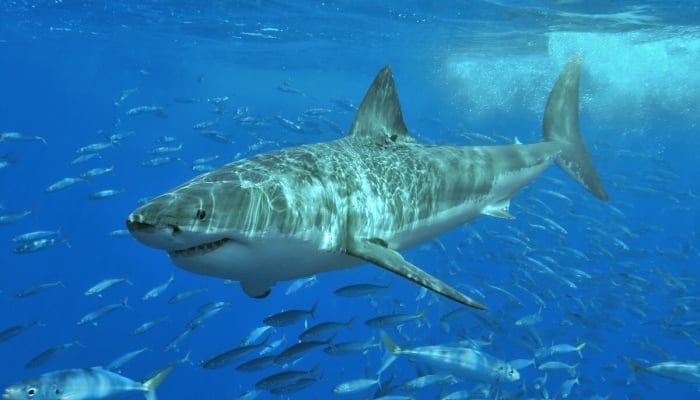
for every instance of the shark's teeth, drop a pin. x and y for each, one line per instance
(199, 249)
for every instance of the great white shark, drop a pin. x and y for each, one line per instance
(320, 207)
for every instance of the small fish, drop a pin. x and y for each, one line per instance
(158, 290)
(289, 124)
(120, 233)
(105, 284)
(555, 365)
(13, 331)
(393, 320)
(257, 364)
(82, 384)
(20, 137)
(91, 173)
(49, 353)
(94, 147)
(346, 348)
(217, 100)
(166, 139)
(206, 160)
(93, 316)
(687, 372)
(84, 158)
(218, 137)
(165, 150)
(530, 320)
(301, 283)
(324, 330)
(297, 350)
(15, 216)
(37, 289)
(117, 363)
(175, 342)
(148, 325)
(39, 244)
(103, 194)
(207, 311)
(35, 235)
(358, 290)
(124, 95)
(158, 111)
(205, 124)
(462, 362)
(289, 317)
(255, 334)
(227, 357)
(182, 296)
(354, 386)
(62, 184)
(157, 161)
(284, 378)
(566, 387)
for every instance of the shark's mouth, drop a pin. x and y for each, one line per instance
(200, 248)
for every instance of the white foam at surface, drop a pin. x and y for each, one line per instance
(626, 75)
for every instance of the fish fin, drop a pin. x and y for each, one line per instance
(256, 290)
(389, 342)
(379, 118)
(391, 354)
(151, 384)
(561, 126)
(313, 310)
(633, 365)
(500, 210)
(376, 252)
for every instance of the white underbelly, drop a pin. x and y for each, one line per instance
(269, 259)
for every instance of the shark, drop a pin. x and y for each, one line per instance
(363, 198)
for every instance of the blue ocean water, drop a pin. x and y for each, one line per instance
(621, 276)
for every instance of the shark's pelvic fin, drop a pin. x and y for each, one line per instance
(379, 118)
(561, 126)
(375, 252)
(256, 290)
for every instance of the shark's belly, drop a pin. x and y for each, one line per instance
(267, 259)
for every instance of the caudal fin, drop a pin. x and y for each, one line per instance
(151, 384)
(561, 126)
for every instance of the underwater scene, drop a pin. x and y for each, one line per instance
(342, 199)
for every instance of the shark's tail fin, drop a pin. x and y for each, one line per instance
(561, 126)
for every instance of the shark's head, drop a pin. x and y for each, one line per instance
(189, 225)
(228, 228)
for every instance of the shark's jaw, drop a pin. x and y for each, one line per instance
(258, 263)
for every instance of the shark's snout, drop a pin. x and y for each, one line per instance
(161, 237)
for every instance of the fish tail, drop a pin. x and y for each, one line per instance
(633, 365)
(313, 310)
(579, 348)
(391, 355)
(389, 343)
(151, 384)
(561, 126)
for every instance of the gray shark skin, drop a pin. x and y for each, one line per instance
(314, 208)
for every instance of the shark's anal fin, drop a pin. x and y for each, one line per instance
(372, 251)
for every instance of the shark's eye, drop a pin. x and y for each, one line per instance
(201, 214)
(31, 392)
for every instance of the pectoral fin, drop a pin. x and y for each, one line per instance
(376, 252)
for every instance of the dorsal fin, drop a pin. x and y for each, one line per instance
(379, 117)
